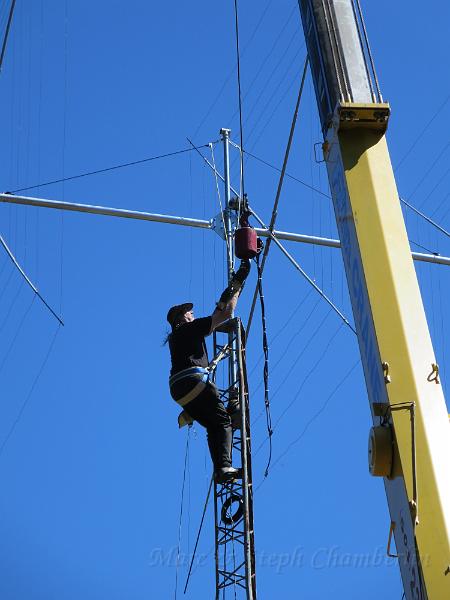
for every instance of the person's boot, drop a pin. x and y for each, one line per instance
(224, 474)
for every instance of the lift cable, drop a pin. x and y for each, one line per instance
(113, 168)
(280, 186)
(186, 453)
(5, 38)
(32, 286)
(241, 134)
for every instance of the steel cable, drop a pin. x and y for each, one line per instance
(5, 38)
(107, 169)
(279, 188)
(32, 286)
(419, 137)
(186, 453)
(230, 74)
(424, 216)
(268, 55)
(241, 134)
(30, 393)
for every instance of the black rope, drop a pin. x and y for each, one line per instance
(240, 97)
(266, 364)
(5, 38)
(30, 393)
(198, 534)
(98, 171)
(181, 513)
(280, 184)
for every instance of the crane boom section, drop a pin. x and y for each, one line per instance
(399, 364)
(392, 329)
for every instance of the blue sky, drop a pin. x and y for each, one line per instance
(91, 459)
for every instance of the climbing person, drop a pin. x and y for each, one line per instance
(189, 380)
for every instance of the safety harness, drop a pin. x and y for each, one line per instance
(199, 373)
(202, 375)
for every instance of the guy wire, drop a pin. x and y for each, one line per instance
(242, 190)
(186, 454)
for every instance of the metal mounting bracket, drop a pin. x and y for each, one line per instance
(385, 411)
(217, 223)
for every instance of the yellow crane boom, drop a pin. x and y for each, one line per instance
(410, 439)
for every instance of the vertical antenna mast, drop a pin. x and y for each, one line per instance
(233, 501)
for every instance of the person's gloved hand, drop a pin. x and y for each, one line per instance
(236, 283)
(225, 297)
(242, 273)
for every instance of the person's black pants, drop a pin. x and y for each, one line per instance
(208, 409)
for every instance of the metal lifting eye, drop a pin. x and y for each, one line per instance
(434, 375)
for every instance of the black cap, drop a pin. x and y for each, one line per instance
(177, 310)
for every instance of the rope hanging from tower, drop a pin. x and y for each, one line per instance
(265, 344)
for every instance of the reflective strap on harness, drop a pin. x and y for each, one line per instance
(192, 372)
(199, 372)
(196, 390)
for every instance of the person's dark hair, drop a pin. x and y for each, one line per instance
(175, 324)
